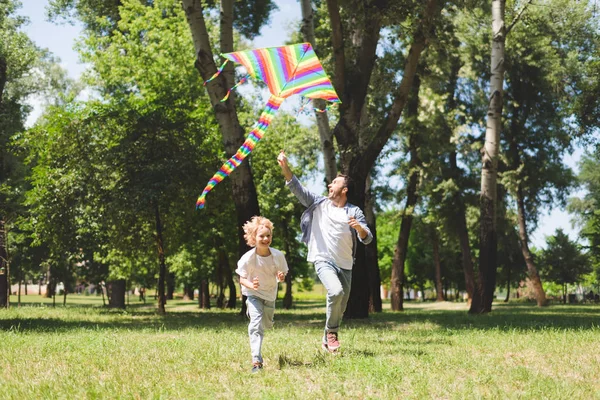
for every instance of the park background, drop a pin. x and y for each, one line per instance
(108, 135)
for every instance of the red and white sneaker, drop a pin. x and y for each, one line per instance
(333, 343)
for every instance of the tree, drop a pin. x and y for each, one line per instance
(242, 181)
(563, 261)
(18, 58)
(361, 131)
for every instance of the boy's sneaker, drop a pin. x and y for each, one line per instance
(332, 342)
(256, 367)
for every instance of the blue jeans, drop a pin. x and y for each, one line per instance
(337, 282)
(261, 314)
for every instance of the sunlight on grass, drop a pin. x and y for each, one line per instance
(431, 350)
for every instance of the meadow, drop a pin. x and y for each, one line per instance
(431, 350)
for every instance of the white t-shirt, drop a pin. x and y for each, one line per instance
(252, 265)
(331, 236)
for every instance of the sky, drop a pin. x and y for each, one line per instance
(60, 39)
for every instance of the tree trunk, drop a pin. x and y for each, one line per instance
(463, 233)
(170, 285)
(242, 183)
(484, 294)
(4, 281)
(232, 300)
(222, 265)
(325, 132)
(287, 297)
(532, 272)
(508, 270)
(116, 293)
(397, 280)
(3, 78)
(204, 295)
(162, 273)
(371, 255)
(50, 283)
(438, 266)
(188, 292)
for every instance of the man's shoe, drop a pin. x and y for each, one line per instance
(256, 367)
(332, 342)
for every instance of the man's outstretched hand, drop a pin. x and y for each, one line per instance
(285, 168)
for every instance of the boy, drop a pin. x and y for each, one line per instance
(259, 270)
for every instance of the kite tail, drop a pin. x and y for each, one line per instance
(253, 137)
(219, 70)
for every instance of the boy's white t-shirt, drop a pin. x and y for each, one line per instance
(265, 268)
(330, 236)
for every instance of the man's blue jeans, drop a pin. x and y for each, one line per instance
(261, 314)
(337, 282)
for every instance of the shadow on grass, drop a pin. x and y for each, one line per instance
(183, 315)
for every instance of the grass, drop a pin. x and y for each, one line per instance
(432, 350)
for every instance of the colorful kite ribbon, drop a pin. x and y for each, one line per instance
(253, 137)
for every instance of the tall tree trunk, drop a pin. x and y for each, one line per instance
(532, 272)
(397, 280)
(455, 173)
(4, 280)
(438, 265)
(3, 78)
(162, 273)
(222, 265)
(287, 297)
(508, 270)
(371, 255)
(325, 132)
(242, 183)
(484, 294)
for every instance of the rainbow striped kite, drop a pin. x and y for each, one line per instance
(287, 70)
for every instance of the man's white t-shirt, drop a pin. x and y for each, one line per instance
(331, 236)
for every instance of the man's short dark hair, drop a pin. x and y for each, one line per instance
(348, 183)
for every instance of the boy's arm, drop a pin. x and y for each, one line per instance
(305, 197)
(248, 283)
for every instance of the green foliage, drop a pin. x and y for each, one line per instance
(563, 261)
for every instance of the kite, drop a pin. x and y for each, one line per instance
(287, 70)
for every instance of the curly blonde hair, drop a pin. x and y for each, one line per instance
(251, 228)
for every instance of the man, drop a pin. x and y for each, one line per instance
(328, 228)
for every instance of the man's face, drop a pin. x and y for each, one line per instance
(337, 188)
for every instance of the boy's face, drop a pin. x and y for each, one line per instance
(263, 237)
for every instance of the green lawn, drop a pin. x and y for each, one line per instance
(428, 351)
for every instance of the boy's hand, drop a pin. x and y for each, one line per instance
(255, 283)
(280, 276)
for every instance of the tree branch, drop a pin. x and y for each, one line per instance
(518, 17)
(337, 39)
(410, 68)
